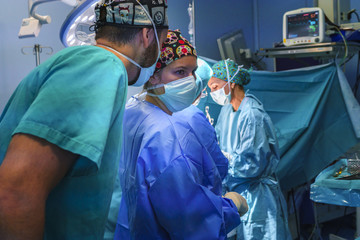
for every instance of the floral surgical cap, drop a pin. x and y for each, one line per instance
(174, 47)
(219, 71)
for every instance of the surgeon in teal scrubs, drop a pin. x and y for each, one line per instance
(171, 187)
(61, 131)
(246, 135)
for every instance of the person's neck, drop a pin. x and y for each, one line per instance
(157, 102)
(126, 49)
(238, 96)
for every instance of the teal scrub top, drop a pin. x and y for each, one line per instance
(74, 100)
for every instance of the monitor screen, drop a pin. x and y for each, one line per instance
(303, 25)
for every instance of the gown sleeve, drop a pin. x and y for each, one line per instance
(208, 136)
(188, 210)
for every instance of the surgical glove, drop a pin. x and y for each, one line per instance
(239, 202)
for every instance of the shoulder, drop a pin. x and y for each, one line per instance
(149, 118)
(191, 115)
(93, 64)
(252, 106)
(154, 134)
(91, 57)
(254, 114)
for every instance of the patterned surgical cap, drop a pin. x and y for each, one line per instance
(174, 47)
(129, 13)
(219, 71)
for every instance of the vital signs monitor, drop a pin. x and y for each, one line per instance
(303, 26)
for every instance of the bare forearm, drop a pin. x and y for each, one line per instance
(20, 217)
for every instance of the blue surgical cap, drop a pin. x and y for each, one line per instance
(203, 74)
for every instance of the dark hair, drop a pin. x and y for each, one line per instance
(120, 34)
(116, 34)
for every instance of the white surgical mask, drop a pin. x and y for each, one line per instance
(219, 96)
(145, 73)
(179, 94)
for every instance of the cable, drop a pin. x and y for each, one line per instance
(353, 11)
(345, 43)
(256, 62)
(337, 27)
(316, 226)
(295, 212)
(312, 232)
(357, 15)
(355, 89)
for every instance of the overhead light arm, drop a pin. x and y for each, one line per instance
(30, 27)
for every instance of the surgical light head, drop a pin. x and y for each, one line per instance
(76, 27)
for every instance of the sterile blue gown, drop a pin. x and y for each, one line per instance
(205, 134)
(171, 186)
(75, 100)
(249, 136)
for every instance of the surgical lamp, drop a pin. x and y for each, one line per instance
(30, 27)
(76, 28)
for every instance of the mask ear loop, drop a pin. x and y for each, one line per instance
(227, 71)
(236, 72)
(155, 91)
(227, 75)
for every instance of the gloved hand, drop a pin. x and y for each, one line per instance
(239, 202)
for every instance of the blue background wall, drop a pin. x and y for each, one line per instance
(260, 21)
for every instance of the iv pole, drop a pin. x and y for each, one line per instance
(37, 49)
(191, 11)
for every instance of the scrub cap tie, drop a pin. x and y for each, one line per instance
(174, 47)
(131, 13)
(225, 68)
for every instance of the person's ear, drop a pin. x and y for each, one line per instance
(147, 36)
(232, 85)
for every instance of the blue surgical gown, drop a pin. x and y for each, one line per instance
(248, 135)
(76, 101)
(205, 134)
(171, 187)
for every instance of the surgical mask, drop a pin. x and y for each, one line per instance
(145, 73)
(179, 94)
(219, 96)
